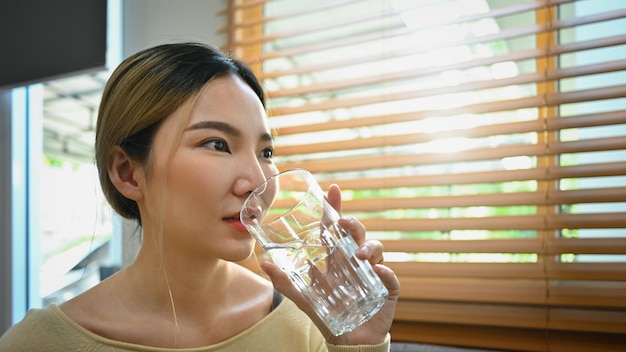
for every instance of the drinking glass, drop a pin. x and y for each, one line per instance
(291, 219)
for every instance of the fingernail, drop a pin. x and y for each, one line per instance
(365, 249)
(264, 266)
(350, 218)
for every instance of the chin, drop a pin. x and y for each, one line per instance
(241, 252)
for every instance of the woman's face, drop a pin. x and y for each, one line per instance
(206, 158)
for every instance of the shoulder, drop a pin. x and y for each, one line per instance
(40, 330)
(286, 329)
(36, 322)
(290, 314)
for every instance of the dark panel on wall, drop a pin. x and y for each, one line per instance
(45, 39)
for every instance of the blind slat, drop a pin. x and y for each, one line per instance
(513, 291)
(552, 99)
(286, 15)
(514, 316)
(550, 124)
(552, 246)
(528, 222)
(548, 173)
(399, 160)
(480, 314)
(381, 203)
(592, 272)
(506, 338)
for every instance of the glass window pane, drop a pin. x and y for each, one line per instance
(76, 221)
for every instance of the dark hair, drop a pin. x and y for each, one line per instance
(143, 91)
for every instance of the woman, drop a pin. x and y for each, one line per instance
(181, 140)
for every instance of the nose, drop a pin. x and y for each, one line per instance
(252, 174)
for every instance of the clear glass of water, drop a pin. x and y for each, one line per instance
(290, 218)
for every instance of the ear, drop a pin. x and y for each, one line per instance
(126, 174)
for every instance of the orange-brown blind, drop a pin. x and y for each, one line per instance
(483, 142)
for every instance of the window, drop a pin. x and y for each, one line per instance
(482, 141)
(76, 227)
(77, 239)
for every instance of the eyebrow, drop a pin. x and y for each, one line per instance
(224, 127)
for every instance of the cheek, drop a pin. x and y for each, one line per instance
(271, 170)
(186, 205)
(193, 188)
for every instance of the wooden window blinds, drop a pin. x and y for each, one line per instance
(482, 141)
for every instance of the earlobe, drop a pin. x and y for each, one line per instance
(123, 172)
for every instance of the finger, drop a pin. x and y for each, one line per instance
(283, 284)
(389, 279)
(355, 227)
(334, 197)
(372, 251)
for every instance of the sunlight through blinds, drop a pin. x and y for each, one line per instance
(483, 142)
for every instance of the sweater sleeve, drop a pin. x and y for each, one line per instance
(383, 347)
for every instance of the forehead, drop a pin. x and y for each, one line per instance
(230, 98)
(225, 99)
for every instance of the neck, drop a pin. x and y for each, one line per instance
(182, 286)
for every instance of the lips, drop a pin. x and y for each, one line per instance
(232, 216)
(235, 221)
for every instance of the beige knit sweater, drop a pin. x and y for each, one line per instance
(285, 329)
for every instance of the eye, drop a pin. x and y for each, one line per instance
(267, 153)
(216, 144)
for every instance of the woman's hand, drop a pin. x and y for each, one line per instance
(375, 330)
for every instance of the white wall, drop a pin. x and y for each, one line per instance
(151, 22)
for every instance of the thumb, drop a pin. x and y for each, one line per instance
(283, 284)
